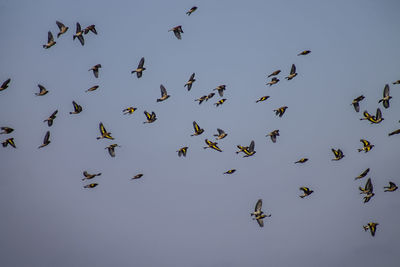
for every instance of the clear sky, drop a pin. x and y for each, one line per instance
(185, 211)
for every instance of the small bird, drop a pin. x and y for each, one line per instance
(306, 191)
(95, 70)
(274, 73)
(93, 88)
(367, 146)
(50, 41)
(104, 133)
(129, 110)
(190, 82)
(356, 102)
(209, 96)
(220, 102)
(177, 31)
(241, 149)
(201, 99)
(367, 188)
(150, 117)
(4, 85)
(89, 176)
(386, 97)
(303, 53)
(62, 27)
(396, 82)
(79, 34)
(193, 9)
(42, 91)
(249, 151)
(259, 214)
(230, 171)
(213, 145)
(137, 176)
(292, 74)
(373, 119)
(90, 28)
(9, 141)
(371, 226)
(273, 81)
(338, 154)
(6, 130)
(392, 187)
(51, 118)
(394, 132)
(280, 111)
(139, 70)
(92, 185)
(362, 175)
(221, 134)
(273, 135)
(197, 129)
(263, 98)
(111, 149)
(366, 115)
(46, 140)
(220, 89)
(302, 160)
(182, 151)
(77, 108)
(164, 94)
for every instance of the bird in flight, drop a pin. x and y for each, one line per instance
(93, 88)
(4, 85)
(193, 9)
(292, 74)
(274, 73)
(213, 145)
(150, 117)
(42, 90)
(177, 31)
(230, 171)
(338, 154)
(104, 133)
(89, 176)
(6, 130)
(280, 111)
(139, 70)
(392, 187)
(367, 146)
(197, 129)
(273, 135)
(221, 134)
(371, 226)
(249, 151)
(63, 29)
(220, 89)
(137, 176)
(9, 141)
(164, 94)
(368, 190)
(190, 82)
(77, 108)
(92, 185)
(302, 160)
(303, 53)
(263, 98)
(129, 110)
(356, 103)
(259, 214)
(363, 174)
(46, 140)
(306, 191)
(273, 81)
(386, 97)
(51, 118)
(220, 102)
(182, 151)
(79, 34)
(201, 99)
(91, 28)
(95, 70)
(111, 149)
(50, 41)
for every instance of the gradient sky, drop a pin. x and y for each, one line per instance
(185, 211)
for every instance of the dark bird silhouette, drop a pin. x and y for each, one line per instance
(63, 29)
(182, 151)
(193, 9)
(91, 28)
(386, 97)
(50, 41)
(220, 89)
(9, 141)
(190, 82)
(230, 171)
(42, 90)
(93, 88)
(201, 99)
(306, 191)
(6, 130)
(95, 70)
(220, 102)
(274, 73)
(4, 85)
(362, 175)
(77, 108)
(209, 96)
(89, 176)
(177, 31)
(111, 149)
(394, 132)
(92, 185)
(273, 81)
(302, 160)
(79, 34)
(137, 176)
(46, 140)
(150, 117)
(139, 70)
(292, 74)
(197, 129)
(356, 102)
(51, 118)
(303, 53)
(392, 187)
(280, 111)
(273, 135)
(164, 94)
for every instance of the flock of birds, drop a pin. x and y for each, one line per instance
(248, 151)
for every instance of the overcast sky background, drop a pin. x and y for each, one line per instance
(185, 211)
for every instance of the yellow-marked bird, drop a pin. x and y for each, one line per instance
(93, 88)
(182, 151)
(77, 108)
(338, 154)
(273, 135)
(263, 98)
(249, 151)
(177, 31)
(197, 129)
(137, 176)
(259, 214)
(6, 130)
(273, 81)
(303, 53)
(368, 190)
(92, 185)
(91, 28)
(363, 174)
(386, 97)
(221, 88)
(356, 103)
(50, 41)
(111, 149)
(46, 140)
(190, 82)
(9, 141)
(4, 85)
(150, 117)
(371, 226)
(79, 34)
(201, 99)
(302, 160)
(129, 110)
(230, 171)
(274, 73)
(213, 145)
(220, 102)
(42, 90)
(306, 191)
(164, 94)
(89, 176)
(95, 70)
(139, 70)
(392, 187)
(193, 9)
(280, 111)
(367, 116)
(104, 133)
(63, 29)
(221, 134)
(377, 118)
(51, 118)
(292, 74)
(367, 146)
(241, 148)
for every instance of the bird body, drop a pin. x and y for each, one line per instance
(46, 140)
(139, 70)
(92, 185)
(164, 94)
(42, 90)
(95, 70)
(193, 9)
(338, 154)
(197, 129)
(213, 145)
(372, 227)
(150, 117)
(93, 88)
(273, 81)
(6, 130)
(386, 97)
(274, 73)
(220, 102)
(51, 118)
(50, 41)
(4, 85)
(91, 28)
(273, 135)
(392, 187)
(63, 29)
(302, 160)
(263, 98)
(230, 171)
(292, 74)
(363, 174)
(9, 141)
(79, 34)
(367, 146)
(356, 102)
(182, 151)
(89, 176)
(129, 110)
(104, 133)
(303, 53)
(221, 88)
(280, 111)
(177, 31)
(111, 149)
(77, 108)
(190, 82)
(306, 191)
(137, 176)
(221, 134)
(249, 151)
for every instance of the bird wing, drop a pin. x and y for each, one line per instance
(5, 83)
(378, 114)
(196, 127)
(365, 142)
(364, 173)
(391, 184)
(76, 106)
(305, 189)
(42, 88)
(220, 131)
(293, 69)
(81, 40)
(148, 116)
(53, 115)
(46, 137)
(60, 25)
(192, 77)
(141, 63)
(260, 222)
(111, 151)
(78, 27)
(50, 37)
(102, 129)
(163, 90)
(86, 174)
(153, 115)
(251, 147)
(368, 185)
(258, 206)
(386, 90)
(356, 106)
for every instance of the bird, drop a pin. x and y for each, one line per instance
(392, 187)
(221, 134)
(139, 70)
(374, 119)
(63, 29)
(9, 141)
(190, 82)
(273, 135)
(137, 176)
(386, 97)
(6, 130)
(77, 108)
(209, 96)
(396, 82)
(367, 146)
(249, 151)
(201, 99)
(306, 191)
(368, 190)
(273, 81)
(368, 196)
(51, 118)
(394, 132)
(259, 214)
(220, 102)
(197, 129)
(177, 31)
(4, 85)
(79, 34)
(182, 151)
(366, 115)
(356, 102)
(50, 41)
(213, 145)
(280, 111)
(230, 171)
(95, 70)
(241, 149)
(93, 88)
(338, 154)
(371, 226)
(150, 117)
(303, 53)
(104, 133)
(221, 88)
(42, 90)
(292, 74)
(302, 160)
(164, 94)
(92, 185)
(363, 174)
(263, 98)
(90, 28)
(46, 140)
(193, 9)
(89, 176)
(111, 149)
(274, 73)
(260, 219)
(129, 110)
